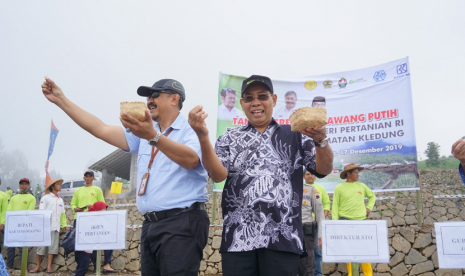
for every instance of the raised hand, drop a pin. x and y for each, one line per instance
(197, 118)
(458, 150)
(51, 91)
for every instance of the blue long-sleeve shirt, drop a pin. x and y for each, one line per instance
(462, 175)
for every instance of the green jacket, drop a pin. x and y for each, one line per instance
(21, 202)
(349, 201)
(3, 206)
(84, 196)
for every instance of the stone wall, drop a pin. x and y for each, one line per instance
(412, 248)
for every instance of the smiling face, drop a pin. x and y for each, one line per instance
(230, 100)
(290, 100)
(160, 104)
(257, 104)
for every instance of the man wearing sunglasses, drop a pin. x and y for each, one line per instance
(262, 197)
(175, 229)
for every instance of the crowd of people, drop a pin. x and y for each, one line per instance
(272, 222)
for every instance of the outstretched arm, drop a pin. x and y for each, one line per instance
(111, 134)
(210, 160)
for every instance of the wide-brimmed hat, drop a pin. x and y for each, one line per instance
(347, 168)
(51, 182)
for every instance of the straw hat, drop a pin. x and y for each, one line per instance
(347, 168)
(51, 182)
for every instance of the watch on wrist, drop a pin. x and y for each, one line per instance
(322, 143)
(154, 141)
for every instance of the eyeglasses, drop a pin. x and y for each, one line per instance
(261, 97)
(155, 94)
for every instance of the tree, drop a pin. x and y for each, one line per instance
(432, 154)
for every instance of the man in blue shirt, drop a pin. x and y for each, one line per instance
(458, 151)
(172, 194)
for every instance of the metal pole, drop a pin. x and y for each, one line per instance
(24, 261)
(419, 204)
(419, 209)
(214, 208)
(97, 262)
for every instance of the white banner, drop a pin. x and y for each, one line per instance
(450, 241)
(355, 241)
(102, 230)
(370, 120)
(27, 228)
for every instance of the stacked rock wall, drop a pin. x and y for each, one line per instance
(412, 248)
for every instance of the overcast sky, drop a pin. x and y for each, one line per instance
(100, 52)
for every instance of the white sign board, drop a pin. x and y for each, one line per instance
(102, 230)
(450, 242)
(355, 241)
(27, 228)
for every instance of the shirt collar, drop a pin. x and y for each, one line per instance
(249, 125)
(177, 124)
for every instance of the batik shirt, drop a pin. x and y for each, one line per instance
(262, 195)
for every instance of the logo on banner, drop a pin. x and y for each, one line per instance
(342, 83)
(357, 81)
(327, 84)
(379, 75)
(310, 85)
(402, 69)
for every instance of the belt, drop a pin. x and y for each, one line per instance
(156, 216)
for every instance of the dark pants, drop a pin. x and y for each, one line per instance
(106, 259)
(307, 264)
(10, 259)
(318, 256)
(83, 264)
(260, 262)
(174, 246)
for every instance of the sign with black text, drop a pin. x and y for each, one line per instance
(102, 230)
(450, 241)
(355, 241)
(27, 228)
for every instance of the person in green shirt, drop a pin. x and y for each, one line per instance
(3, 207)
(349, 203)
(20, 202)
(83, 198)
(320, 192)
(9, 193)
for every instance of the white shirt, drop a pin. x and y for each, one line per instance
(283, 113)
(54, 203)
(225, 114)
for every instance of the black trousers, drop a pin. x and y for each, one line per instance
(106, 259)
(174, 246)
(307, 264)
(10, 259)
(260, 262)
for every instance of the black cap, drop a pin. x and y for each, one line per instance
(89, 172)
(254, 80)
(164, 84)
